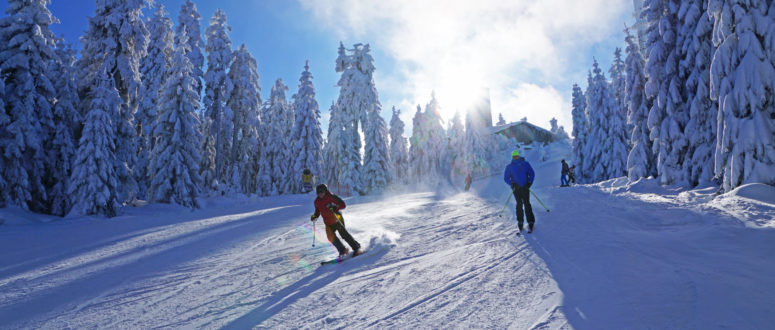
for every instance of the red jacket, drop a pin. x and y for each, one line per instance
(322, 206)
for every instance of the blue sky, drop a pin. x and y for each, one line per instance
(527, 53)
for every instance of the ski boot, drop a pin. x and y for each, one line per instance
(344, 254)
(530, 229)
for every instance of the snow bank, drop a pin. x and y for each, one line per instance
(755, 191)
(16, 216)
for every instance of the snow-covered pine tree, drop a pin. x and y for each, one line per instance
(417, 158)
(399, 155)
(640, 161)
(553, 125)
(476, 149)
(456, 149)
(94, 185)
(189, 21)
(332, 151)
(436, 136)
(154, 69)
(4, 121)
(217, 89)
(668, 114)
(357, 97)
(307, 135)
(501, 121)
(278, 139)
(580, 128)
(376, 159)
(607, 141)
(63, 144)
(174, 164)
(264, 184)
(245, 101)
(617, 73)
(700, 130)
(742, 81)
(26, 44)
(115, 41)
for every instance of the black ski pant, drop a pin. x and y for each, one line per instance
(339, 227)
(522, 195)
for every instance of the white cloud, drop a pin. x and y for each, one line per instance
(460, 47)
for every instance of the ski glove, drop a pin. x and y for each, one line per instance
(514, 187)
(528, 185)
(313, 218)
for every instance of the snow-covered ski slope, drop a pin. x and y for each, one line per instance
(606, 257)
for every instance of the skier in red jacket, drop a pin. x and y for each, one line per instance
(328, 205)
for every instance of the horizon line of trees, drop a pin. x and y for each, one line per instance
(693, 102)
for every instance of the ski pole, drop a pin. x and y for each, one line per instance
(314, 227)
(508, 199)
(539, 200)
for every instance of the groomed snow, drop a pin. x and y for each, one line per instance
(607, 256)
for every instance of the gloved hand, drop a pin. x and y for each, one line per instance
(313, 218)
(528, 185)
(514, 187)
(333, 209)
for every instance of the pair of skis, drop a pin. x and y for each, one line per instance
(341, 259)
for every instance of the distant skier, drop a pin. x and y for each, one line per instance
(306, 180)
(519, 175)
(571, 174)
(328, 205)
(468, 181)
(565, 173)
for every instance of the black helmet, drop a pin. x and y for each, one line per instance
(321, 189)
(306, 171)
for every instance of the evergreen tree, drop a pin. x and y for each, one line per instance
(376, 160)
(668, 115)
(278, 139)
(700, 130)
(26, 44)
(580, 127)
(618, 76)
(742, 82)
(357, 98)
(417, 158)
(333, 152)
(476, 149)
(217, 88)
(62, 145)
(154, 69)
(115, 41)
(435, 142)
(189, 21)
(399, 155)
(306, 135)
(175, 159)
(607, 141)
(456, 149)
(264, 184)
(501, 121)
(245, 101)
(94, 184)
(4, 121)
(640, 162)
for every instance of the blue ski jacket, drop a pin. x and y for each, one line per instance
(519, 172)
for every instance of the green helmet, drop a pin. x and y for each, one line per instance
(515, 153)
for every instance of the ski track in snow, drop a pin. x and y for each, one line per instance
(436, 259)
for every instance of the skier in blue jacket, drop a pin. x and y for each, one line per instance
(519, 175)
